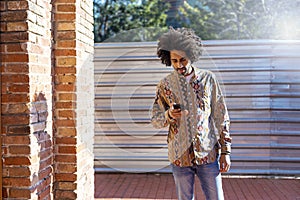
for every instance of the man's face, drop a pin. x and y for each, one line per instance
(180, 62)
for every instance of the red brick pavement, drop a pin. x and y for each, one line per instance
(161, 186)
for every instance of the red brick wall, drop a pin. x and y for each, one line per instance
(74, 111)
(65, 95)
(26, 99)
(47, 99)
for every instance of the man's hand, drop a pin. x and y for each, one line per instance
(174, 113)
(177, 113)
(224, 163)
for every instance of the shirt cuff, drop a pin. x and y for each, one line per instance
(225, 149)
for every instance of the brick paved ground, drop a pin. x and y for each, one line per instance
(161, 186)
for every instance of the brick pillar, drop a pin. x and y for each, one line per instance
(47, 99)
(74, 105)
(26, 99)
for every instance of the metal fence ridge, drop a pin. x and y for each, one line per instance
(261, 83)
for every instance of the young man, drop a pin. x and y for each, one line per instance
(190, 102)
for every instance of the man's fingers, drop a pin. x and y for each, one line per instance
(224, 167)
(176, 113)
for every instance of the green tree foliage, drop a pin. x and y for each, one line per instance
(128, 20)
(145, 20)
(242, 19)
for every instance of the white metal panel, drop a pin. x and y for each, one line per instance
(262, 86)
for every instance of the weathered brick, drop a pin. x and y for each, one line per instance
(65, 70)
(46, 162)
(66, 123)
(69, 114)
(19, 129)
(33, 118)
(42, 136)
(15, 98)
(19, 150)
(65, 35)
(15, 58)
(66, 97)
(13, 16)
(65, 168)
(62, 194)
(40, 126)
(45, 172)
(45, 153)
(2, 5)
(17, 108)
(65, 140)
(65, 52)
(65, 105)
(65, 17)
(14, 37)
(66, 61)
(65, 26)
(45, 193)
(5, 192)
(15, 78)
(3, 28)
(17, 5)
(17, 160)
(66, 8)
(40, 106)
(24, 88)
(16, 172)
(65, 186)
(46, 144)
(21, 140)
(43, 116)
(15, 120)
(67, 149)
(46, 42)
(16, 182)
(17, 26)
(65, 87)
(44, 183)
(19, 193)
(20, 47)
(34, 48)
(16, 68)
(65, 177)
(65, 158)
(65, 79)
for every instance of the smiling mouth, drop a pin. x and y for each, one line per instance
(181, 70)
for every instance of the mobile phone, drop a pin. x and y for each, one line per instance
(176, 106)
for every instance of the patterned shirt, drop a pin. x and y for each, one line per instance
(195, 138)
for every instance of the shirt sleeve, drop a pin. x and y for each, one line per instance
(221, 117)
(160, 117)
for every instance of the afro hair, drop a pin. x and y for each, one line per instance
(181, 39)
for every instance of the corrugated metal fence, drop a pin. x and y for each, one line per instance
(261, 80)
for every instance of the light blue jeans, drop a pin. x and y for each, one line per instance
(209, 176)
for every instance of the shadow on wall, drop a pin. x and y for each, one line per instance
(42, 150)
